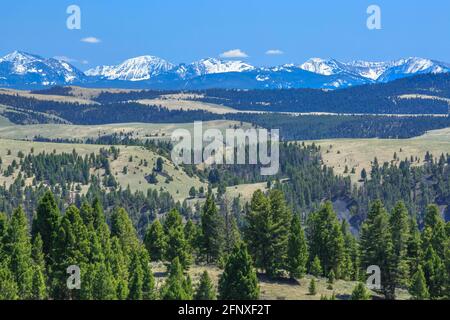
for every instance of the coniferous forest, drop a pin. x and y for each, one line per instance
(275, 242)
(115, 237)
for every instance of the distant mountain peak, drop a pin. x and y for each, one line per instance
(382, 71)
(326, 67)
(134, 69)
(32, 69)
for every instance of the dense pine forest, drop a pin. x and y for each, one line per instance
(115, 236)
(304, 180)
(115, 264)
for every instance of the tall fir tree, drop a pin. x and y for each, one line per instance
(39, 287)
(325, 239)
(46, 223)
(192, 234)
(297, 250)
(3, 227)
(136, 281)
(238, 280)
(315, 267)
(8, 286)
(122, 228)
(177, 246)
(155, 241)
(435, 273)
(312, 288)
(400, 238)
(17, 247)
(205, 289)
(231, 231)
(176, 286)
(418, 288)
(377, 248)
(350, 263)
(267, 231)
(414, 248)
(282, 218)
(212, 231)
(120, 269)
(438, 235)
(148, 286)
(258, 229)
(71, 248)
(103, 282)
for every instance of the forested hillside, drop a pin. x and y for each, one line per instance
(25, 110)
(115, 264)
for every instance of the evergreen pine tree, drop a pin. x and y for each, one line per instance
(39, 287)
(177, 246)
(148, 286)
(281, 217)
(331, 277)
(360, 292)
(122, 228)
(70, 248)
(325, 239)
(205, 290)
(212, 230)
(8, 286)
(232, 234)
(418, 289)
(136, 281)
(176, 284)
(435, 273)
(434, 221)
(400, 238)
(46, 223)
(312, 287)
(103, 283)
(297, 250)
(155, 241)
(188, 288)
(258, 228)
(18, 248)
(192, 233)
(119, 269)
(239, 281)
(3, 227)
(316, 268)
(267, 231)
(350, 262)
(414, 248)
(377, 248)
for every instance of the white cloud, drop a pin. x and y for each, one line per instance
(235, 53)
(274, 52)
(84, 62)
(91, 40)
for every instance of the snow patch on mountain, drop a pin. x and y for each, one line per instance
(323, 67)
(135, 69)
(212, 66)
(376, 71)
(38, 70)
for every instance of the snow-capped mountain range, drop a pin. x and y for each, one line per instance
(376, 71)
(20, 68)
(24, 70)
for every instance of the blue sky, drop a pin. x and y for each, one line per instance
(188, 30)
